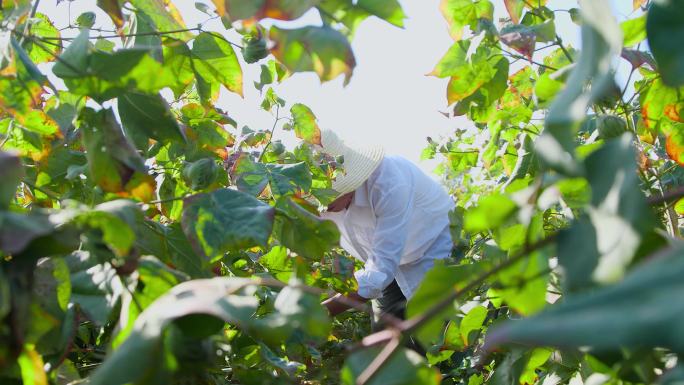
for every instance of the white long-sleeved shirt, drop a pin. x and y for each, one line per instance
(397, 224)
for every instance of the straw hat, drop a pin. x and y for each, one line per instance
(359, 161)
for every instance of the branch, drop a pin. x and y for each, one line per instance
(416, 322)
(392, 335)
(379, 360)
(670, 195)
(516, 56)
(129, 34)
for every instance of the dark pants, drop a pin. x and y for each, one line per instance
(392, 301)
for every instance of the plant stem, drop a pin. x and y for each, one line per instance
(270, 139)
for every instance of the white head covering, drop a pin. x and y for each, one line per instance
(359, 161)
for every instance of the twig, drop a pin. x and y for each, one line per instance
(379, 360)
(127, 35)
(559, 42)
(516, 56)
(416, 322)
(34, 9)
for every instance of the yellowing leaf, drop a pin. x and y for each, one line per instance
(31, 365)
(462, 13)
(164, 15)
(305, 124)
(514, 8)
(113, 9)
(261, 9)
(674, 144)
(320, 49)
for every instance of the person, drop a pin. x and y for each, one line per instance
(392, 217)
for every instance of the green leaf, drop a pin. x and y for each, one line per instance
(226, 220)
(320, 49)
(283, 179)
(86, 20)
(11, 173)
(440, 281)
(216, 64)
(303, 232)
(112, 159)
(73, 62)
(278, 263)
(491, 212)
(303, 311)
(523, 285)
(200, 174)
(405, 367)
(95, 286)
(165, 16)
(142, 353)
(664, 28)
(601, 42)
(389, 10)
(462, 13)
(597, 319)
(43, 28)
(104, 75)
(148, 116)
(116, 232)
(634, 30)
(35, 234)
(472, 322)
(305, 124)
(600, 246)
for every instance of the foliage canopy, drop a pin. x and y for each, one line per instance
(148, 239)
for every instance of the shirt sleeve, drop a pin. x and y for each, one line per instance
(393, 204)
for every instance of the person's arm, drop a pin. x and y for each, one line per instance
(340, 303)
(393, 204)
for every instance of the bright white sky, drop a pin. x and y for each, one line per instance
(389, 100)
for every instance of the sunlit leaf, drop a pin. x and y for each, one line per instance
(389, 10)
(634, 30)
(305, 124)
(674, 142)
(50, 47)
(514, 8)
(215, 62)
(465, 13)
(165, 17)
(320, 49)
